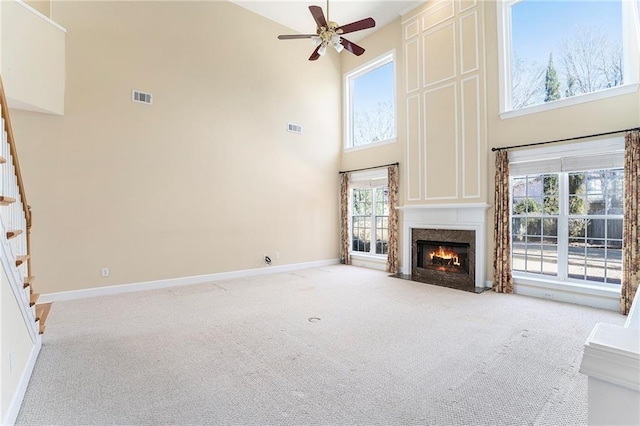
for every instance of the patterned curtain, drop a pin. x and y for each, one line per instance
(344, 219)
(502, 279)
(631, 221)
(392, 255)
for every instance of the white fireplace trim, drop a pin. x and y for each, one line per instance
(446, 216)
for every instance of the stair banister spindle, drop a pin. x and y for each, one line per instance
(12, 150)
(15, 214)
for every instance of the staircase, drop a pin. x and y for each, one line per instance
(15, 227)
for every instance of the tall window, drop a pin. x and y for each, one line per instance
(567, 224)
(554, 50)
(370, 115)
(369, 215)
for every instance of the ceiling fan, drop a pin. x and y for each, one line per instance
(329, 34)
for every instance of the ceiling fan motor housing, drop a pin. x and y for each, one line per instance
(326, 33)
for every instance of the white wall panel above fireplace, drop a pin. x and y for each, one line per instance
(446, 216)
(444, 85)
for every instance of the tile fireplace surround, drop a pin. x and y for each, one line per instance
(446, 216)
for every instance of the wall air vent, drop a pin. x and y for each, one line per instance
(141, 97)
(294, 128)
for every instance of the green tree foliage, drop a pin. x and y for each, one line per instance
(527, 205)
(551, 204)
(576, 203)
(550, 188)
(531, 225)
(551, 83)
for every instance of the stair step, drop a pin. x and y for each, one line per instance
(34, 298)
(13, 233)
(5, 201)
(21, 259)
(42, 312)
(28, 281)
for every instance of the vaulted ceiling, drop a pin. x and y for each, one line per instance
(295, 13)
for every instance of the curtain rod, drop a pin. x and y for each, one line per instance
(369, 168)
(564, 140)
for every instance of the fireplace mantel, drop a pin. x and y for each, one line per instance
(446, 216)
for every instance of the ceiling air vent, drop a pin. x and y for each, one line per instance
(294, 128)
(141, 97)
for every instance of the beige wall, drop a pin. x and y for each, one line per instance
(33, 60)
(42, 6)
(206, 179)
(15, 338)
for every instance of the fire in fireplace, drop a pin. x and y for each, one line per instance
(443, 256)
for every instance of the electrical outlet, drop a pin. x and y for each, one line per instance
(277, 255)
(12, 360)
(548, 295)
(105, 272)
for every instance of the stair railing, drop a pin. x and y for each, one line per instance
(16, 218)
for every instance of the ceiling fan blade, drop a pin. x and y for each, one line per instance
(318, 16)
(315, 55)
(352, 47)
(295, 36)
(362, 24)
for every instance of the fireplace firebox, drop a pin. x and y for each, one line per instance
(444, 257)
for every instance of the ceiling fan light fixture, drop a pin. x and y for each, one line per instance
(329, 34)
(335, 43)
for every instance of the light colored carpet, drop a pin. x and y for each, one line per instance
(384, 351)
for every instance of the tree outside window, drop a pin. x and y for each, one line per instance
(561, 49)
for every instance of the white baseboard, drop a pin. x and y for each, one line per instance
(174, 282)
(369, 262)
(566, 294)
(16, 402)
(576, 297)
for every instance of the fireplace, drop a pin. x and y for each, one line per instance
(444, 257)
(446, 223)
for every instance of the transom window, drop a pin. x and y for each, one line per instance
(555, 50)
(566, 219)
(370, 111)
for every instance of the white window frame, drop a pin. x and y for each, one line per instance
(531, 159)
(370, 179)
(347, 105)
(631, 55)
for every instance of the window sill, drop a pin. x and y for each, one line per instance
(574, 100)
(376, 258)
(371, 261)
(567, 286)
(370, 145)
